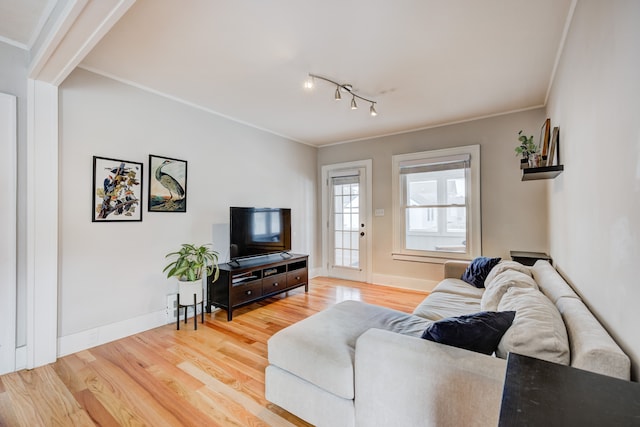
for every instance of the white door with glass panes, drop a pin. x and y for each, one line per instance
(346, 233)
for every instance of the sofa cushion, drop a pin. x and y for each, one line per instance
(537, 331)
(505, 265)
(478, 269)
(320, 349)
(500, 284)
(550, 281)
(439, 305)
(458, 287)
(592, 348)
(479, 332)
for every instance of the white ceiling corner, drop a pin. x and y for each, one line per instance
(21, 21)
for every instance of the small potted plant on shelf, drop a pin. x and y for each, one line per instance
(190, 263)
(528, 150)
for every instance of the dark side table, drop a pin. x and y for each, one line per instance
(540, 393)
(529, 258)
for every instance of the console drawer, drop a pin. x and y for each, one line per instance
(274, 283)
(296, 277)
(246, 292)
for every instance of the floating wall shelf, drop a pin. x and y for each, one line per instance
(545, 172)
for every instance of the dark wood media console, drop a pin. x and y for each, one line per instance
(255, 279)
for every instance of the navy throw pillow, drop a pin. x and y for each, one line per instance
(478, 270)
(479, 332)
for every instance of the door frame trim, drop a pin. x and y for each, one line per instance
(367, 164)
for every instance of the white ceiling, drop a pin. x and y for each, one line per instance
(425, 62)
(22, 20)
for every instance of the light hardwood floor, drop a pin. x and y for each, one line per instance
(210, 377)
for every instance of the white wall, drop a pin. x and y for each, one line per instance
(595, 204)
(112, 272)
(13, 80)
(513, 212)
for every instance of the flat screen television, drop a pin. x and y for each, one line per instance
(259, 231)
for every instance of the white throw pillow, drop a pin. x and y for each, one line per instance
(503, 266)
(537, 331)
(501, 283)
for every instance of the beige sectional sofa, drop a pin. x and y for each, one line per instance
(357, 364)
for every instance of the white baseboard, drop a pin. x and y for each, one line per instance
(317, 272)
(404, 282)
(103, 334)
(388, 280)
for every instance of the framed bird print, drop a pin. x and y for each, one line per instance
(117, 190)
(167, 184)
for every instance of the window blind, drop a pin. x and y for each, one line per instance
(433, 164)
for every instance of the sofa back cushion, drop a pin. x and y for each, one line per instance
(550, 281)
(505, 265)
(592, 348)
(500, 284)
(537, 330)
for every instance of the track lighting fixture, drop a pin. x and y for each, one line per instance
(310, 83)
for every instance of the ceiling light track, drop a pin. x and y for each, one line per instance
(342, 87)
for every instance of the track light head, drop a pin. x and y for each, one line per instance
(354, 106)
(338, 96)
(372, 110)
(309, 83)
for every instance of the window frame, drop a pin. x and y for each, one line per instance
(474, 220)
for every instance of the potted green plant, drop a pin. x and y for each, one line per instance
(528, 150)
(189, 265)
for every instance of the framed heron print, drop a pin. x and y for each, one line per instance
(117, 190)
(167, 184)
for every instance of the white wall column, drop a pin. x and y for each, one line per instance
(8, 290)
(42, 223)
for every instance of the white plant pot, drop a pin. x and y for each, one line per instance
(186, 290)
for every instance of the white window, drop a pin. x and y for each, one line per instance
(436, 204)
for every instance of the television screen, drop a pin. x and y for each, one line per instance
(259, 231)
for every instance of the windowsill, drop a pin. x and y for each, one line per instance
(430, 259)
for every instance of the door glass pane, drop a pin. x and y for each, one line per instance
(346, 222)
(355, 238)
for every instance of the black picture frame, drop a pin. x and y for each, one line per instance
(116, 194)
(167, 184)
